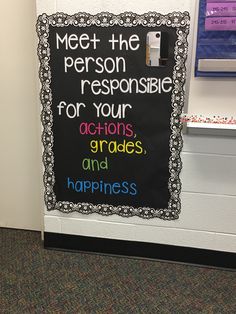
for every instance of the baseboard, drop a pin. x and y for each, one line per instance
(140, 249)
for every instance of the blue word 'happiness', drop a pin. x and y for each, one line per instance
(81, 186)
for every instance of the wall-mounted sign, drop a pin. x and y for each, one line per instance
(112, 96)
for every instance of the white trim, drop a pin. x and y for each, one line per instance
(142, 233)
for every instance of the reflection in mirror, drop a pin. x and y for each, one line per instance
(157, 49)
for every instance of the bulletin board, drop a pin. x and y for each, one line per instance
(112, 121)
(215, 53)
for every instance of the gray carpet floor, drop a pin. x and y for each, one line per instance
(35, 280)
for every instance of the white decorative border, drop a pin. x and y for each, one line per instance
(179, 21)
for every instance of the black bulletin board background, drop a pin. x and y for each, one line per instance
(150, 117)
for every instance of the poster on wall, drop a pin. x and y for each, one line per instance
(112, 93)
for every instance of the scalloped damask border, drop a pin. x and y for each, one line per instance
(177, 20)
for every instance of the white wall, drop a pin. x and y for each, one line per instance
(209, 186)
(20, 157)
